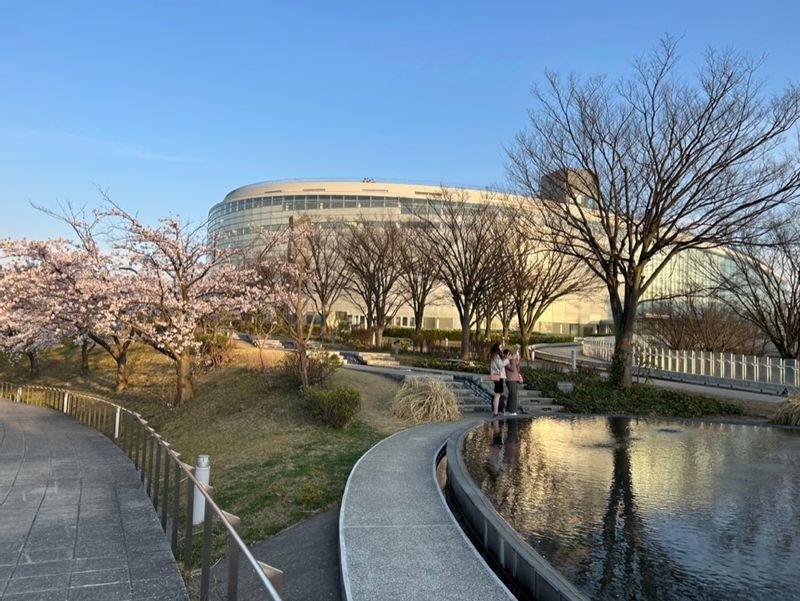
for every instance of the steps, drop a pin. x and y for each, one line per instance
(474, 395)
(381, 359)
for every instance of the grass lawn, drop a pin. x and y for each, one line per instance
(270, 465)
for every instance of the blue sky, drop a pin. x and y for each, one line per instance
(170, 105)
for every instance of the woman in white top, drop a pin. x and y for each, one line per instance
(497, 372)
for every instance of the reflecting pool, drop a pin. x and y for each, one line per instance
(650, 509)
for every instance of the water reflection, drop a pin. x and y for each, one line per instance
(650, 509)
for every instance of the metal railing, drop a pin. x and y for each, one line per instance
(757, 371)
(163, 476)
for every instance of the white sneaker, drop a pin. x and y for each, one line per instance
(512, 413)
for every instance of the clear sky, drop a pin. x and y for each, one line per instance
(168, 105)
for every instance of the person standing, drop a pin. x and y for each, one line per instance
(497, 373)
(512, 379)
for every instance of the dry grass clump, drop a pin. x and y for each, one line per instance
(425, 400)
(789, 412)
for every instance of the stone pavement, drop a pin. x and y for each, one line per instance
(308, 554)
(75, 522)
(398, 540)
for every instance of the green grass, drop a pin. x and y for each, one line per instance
(591, 395)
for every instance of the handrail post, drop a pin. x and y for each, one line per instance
(156, 472)
(233, 558)
(205, 563)
(187, 539)
(176, 502)
(165, 488)
(116, 422)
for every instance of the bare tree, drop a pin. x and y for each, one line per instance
(764, 286)
(319, 248)
(653, 166)
(463, 238)
(540, 276)
(699, 324)
(419, 274)
(371, 254)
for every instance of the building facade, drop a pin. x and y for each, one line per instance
(271, 206)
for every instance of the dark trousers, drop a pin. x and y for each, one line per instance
(511, 406)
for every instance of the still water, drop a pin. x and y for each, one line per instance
(650, 509)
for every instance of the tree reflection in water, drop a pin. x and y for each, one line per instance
(635, 509)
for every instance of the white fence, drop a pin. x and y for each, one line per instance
(769, 373)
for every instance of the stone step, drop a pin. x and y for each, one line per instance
(381, 362)
(533, 410)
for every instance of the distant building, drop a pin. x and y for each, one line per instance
(569, 184)
(271, 205)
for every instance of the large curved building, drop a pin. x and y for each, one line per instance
(271, 205)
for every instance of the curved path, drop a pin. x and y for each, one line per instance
(397, 539)
(75, 522)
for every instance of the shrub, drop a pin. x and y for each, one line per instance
(425, 400)
(590, 395)
(215, 349)
(475, 367)
(788, 413)
(334, 406)
(321, 367)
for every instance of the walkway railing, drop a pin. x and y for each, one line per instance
(164, 477)
(756, 371)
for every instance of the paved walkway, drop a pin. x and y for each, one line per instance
(75, 522)
(397, 538)
(307, 553)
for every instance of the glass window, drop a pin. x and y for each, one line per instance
(337, 204)
(248, 203)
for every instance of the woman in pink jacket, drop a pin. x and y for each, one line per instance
(512, 380)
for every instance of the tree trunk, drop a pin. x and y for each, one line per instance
(122, 371)
(525, 335)
(624, 324)
(33, 357)
(85, 358)
(379, 336)
(323, 320)
(465, 338)
(302, 361)
(183, 369)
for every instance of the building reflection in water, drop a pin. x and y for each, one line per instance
(650, 509)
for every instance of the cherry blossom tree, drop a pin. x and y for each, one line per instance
(182, 279)
(31, 319)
